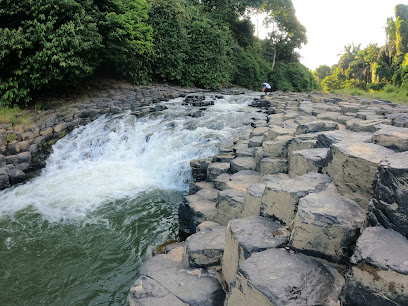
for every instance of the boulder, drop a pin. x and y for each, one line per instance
(225, 157)
(327, 226)
(165, 279)
(246, 236)
(255, 141)
(199, 169)
(197, 186)
(281, 196)
(253, 200)
(390, 202)
(277, 147)
(276, 277)
(205, 248)
(305, 161)
(372, 126)
(4, 179)
(229, 205)
(392, 137)
(220, 182)
(352, 167)
(379, 275)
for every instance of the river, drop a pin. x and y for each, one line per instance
(108, 196)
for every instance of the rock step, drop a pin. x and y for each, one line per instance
(246, 236)
(379, 275)
(277, 277)
(165, 280)
(305, 161)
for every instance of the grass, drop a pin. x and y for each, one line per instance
(14, 116)
(389, 93)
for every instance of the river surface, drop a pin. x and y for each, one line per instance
(108, 196)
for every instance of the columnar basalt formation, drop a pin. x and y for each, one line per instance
(315, 204)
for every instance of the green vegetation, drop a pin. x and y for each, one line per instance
(14, 116)
(60, 43)
(376, 72)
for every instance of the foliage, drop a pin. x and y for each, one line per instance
(292, 76)
(45, 43)
(14, 116)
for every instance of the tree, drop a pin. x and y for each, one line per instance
(322, 72)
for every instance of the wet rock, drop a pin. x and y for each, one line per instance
(196, 209)
(230, 203)
(352, 167)
(4, 179)
(392, 137)
(380, 272)
(390, 202)
(13, 148)
(60, 127)
(281, 196)
(199, 169)
(305, 161)
(327, 226)
(246, 236)
(167, 273)
(276, 277)
(223, 157)
(205, 248)
(24, 157)
(16, 176)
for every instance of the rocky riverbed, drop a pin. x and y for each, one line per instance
(310, 209)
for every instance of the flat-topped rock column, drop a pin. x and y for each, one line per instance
(276, 277)
(379, 275)
(327, 226)
(281, 196)
(246, 236)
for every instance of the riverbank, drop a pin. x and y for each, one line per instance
(310, 208)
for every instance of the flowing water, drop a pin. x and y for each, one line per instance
(108, 196)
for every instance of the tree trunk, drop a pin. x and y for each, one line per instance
(274, 58)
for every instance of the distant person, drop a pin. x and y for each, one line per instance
(266, 88)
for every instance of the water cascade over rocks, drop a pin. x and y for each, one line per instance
(109, 194)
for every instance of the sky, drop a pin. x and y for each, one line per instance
(332, 24)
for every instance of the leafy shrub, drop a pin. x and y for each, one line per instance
(376, 86)
(45, 43)
(292, 76)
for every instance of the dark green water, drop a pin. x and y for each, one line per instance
(83, 263)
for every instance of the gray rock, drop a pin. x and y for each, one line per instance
(242, 163)
(327, 226)
(247, 236)
(277, 147)
(316, 126)
(220, 182)
(223, 157)
(215, 169)
(205, 248)
(326, 139)
(197, 186)
(24, 157)
(16, 176)
(253, 200)
(276, 277)
(255, 141)
(366, 125)
(352, 167)
(281, 196)
(2, 160)
(229, 205)
(273, 166)
(190, 286)
(199, 169)
(392, 137)
(390, 201)
(275, 131)
(380, 274)
(4, 179)
(242, 179)
(305, 161)
(196, 209)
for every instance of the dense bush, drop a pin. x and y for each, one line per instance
(45, 43)
(292, 76)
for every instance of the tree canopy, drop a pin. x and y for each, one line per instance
(205, 43)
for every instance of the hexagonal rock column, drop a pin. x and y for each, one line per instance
(165, 281)
(380, 272)
(317, 126)
(246, 236)
(390, 202)
(273, 166)
(327, 226)
(392, 137)
(276, 277)
(277, 147)
(205, 248)
(199, 169)
(229, 205)
(196, 209)
(215, 169)
(281, 197)
(305, 161)
(253, 200)
(352, 167)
